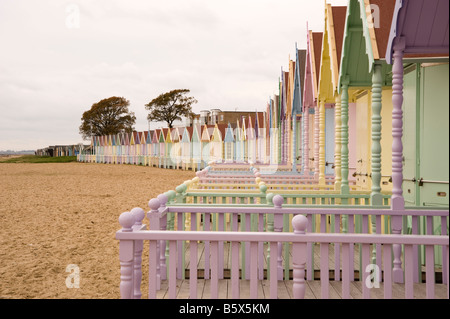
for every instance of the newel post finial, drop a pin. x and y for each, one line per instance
(278, 201)
(163, 199)
(269, 198)
(126, 220)
(139, 215)
(153, 214)
(299, 223)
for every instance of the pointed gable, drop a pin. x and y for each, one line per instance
(175, 135)
(155, 136)
(187, 134)
(316, 51)
(229, 135)
(219, 132)
(299, 74)
(250, 129)
(196, 128)
(329, 70)
(238, 131)
(308, 87)
(149, 137)
(205, 134)
(126, 138)
(361, 42)
(167, 135)
(142, 138)
(162, 135)
(134, 139)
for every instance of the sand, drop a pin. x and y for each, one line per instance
(55, 215)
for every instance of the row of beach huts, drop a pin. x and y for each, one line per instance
(339, 109)
(338, 188)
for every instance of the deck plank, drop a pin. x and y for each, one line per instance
(284, 288)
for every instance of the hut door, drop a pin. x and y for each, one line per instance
(329, 140)
(363, 142)
(434, 154)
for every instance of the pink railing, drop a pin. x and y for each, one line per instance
(380, 243)
(133, 234)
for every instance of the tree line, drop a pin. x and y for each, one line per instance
(111, 116)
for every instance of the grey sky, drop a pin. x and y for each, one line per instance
(57, 57)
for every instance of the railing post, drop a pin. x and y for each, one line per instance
(154, 224)
(397, 200)
(138, 214)
(163, 198)
(299, 223)
(263, 190)
(278, 227)
(126, 257)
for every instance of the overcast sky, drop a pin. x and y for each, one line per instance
(58, 57)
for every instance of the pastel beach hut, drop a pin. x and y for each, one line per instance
(244, 139)
(175, 153)
(142, 148)
(119, 148)
(217, 145)
(103, 145)
(162, 148)
(420, 126)
(420, 66)
(205, 144)
(312, 70)
(268, 116)
(260, 137)
(250, 138)
(98, 150)
(126, 147)
(155, 148)
(95, 147)
(274, 130)
(196, 146)
(114, 149)
(283, 115)
(328, 97)
(298, 82)
(186, 148)
(134, 147)
(148, 147)
(239, 143)
(168, 147)
(229, 145)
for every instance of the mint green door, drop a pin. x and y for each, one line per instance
(434, 143)
(434, 155)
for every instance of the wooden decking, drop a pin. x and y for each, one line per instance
(313, 287)
(285, 290)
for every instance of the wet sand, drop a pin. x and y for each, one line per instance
(55, 215)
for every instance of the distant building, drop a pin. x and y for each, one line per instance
(217, 116)
(61, 150)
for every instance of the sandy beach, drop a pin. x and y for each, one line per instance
(55, 215)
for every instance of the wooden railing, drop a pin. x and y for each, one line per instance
(133, 233)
